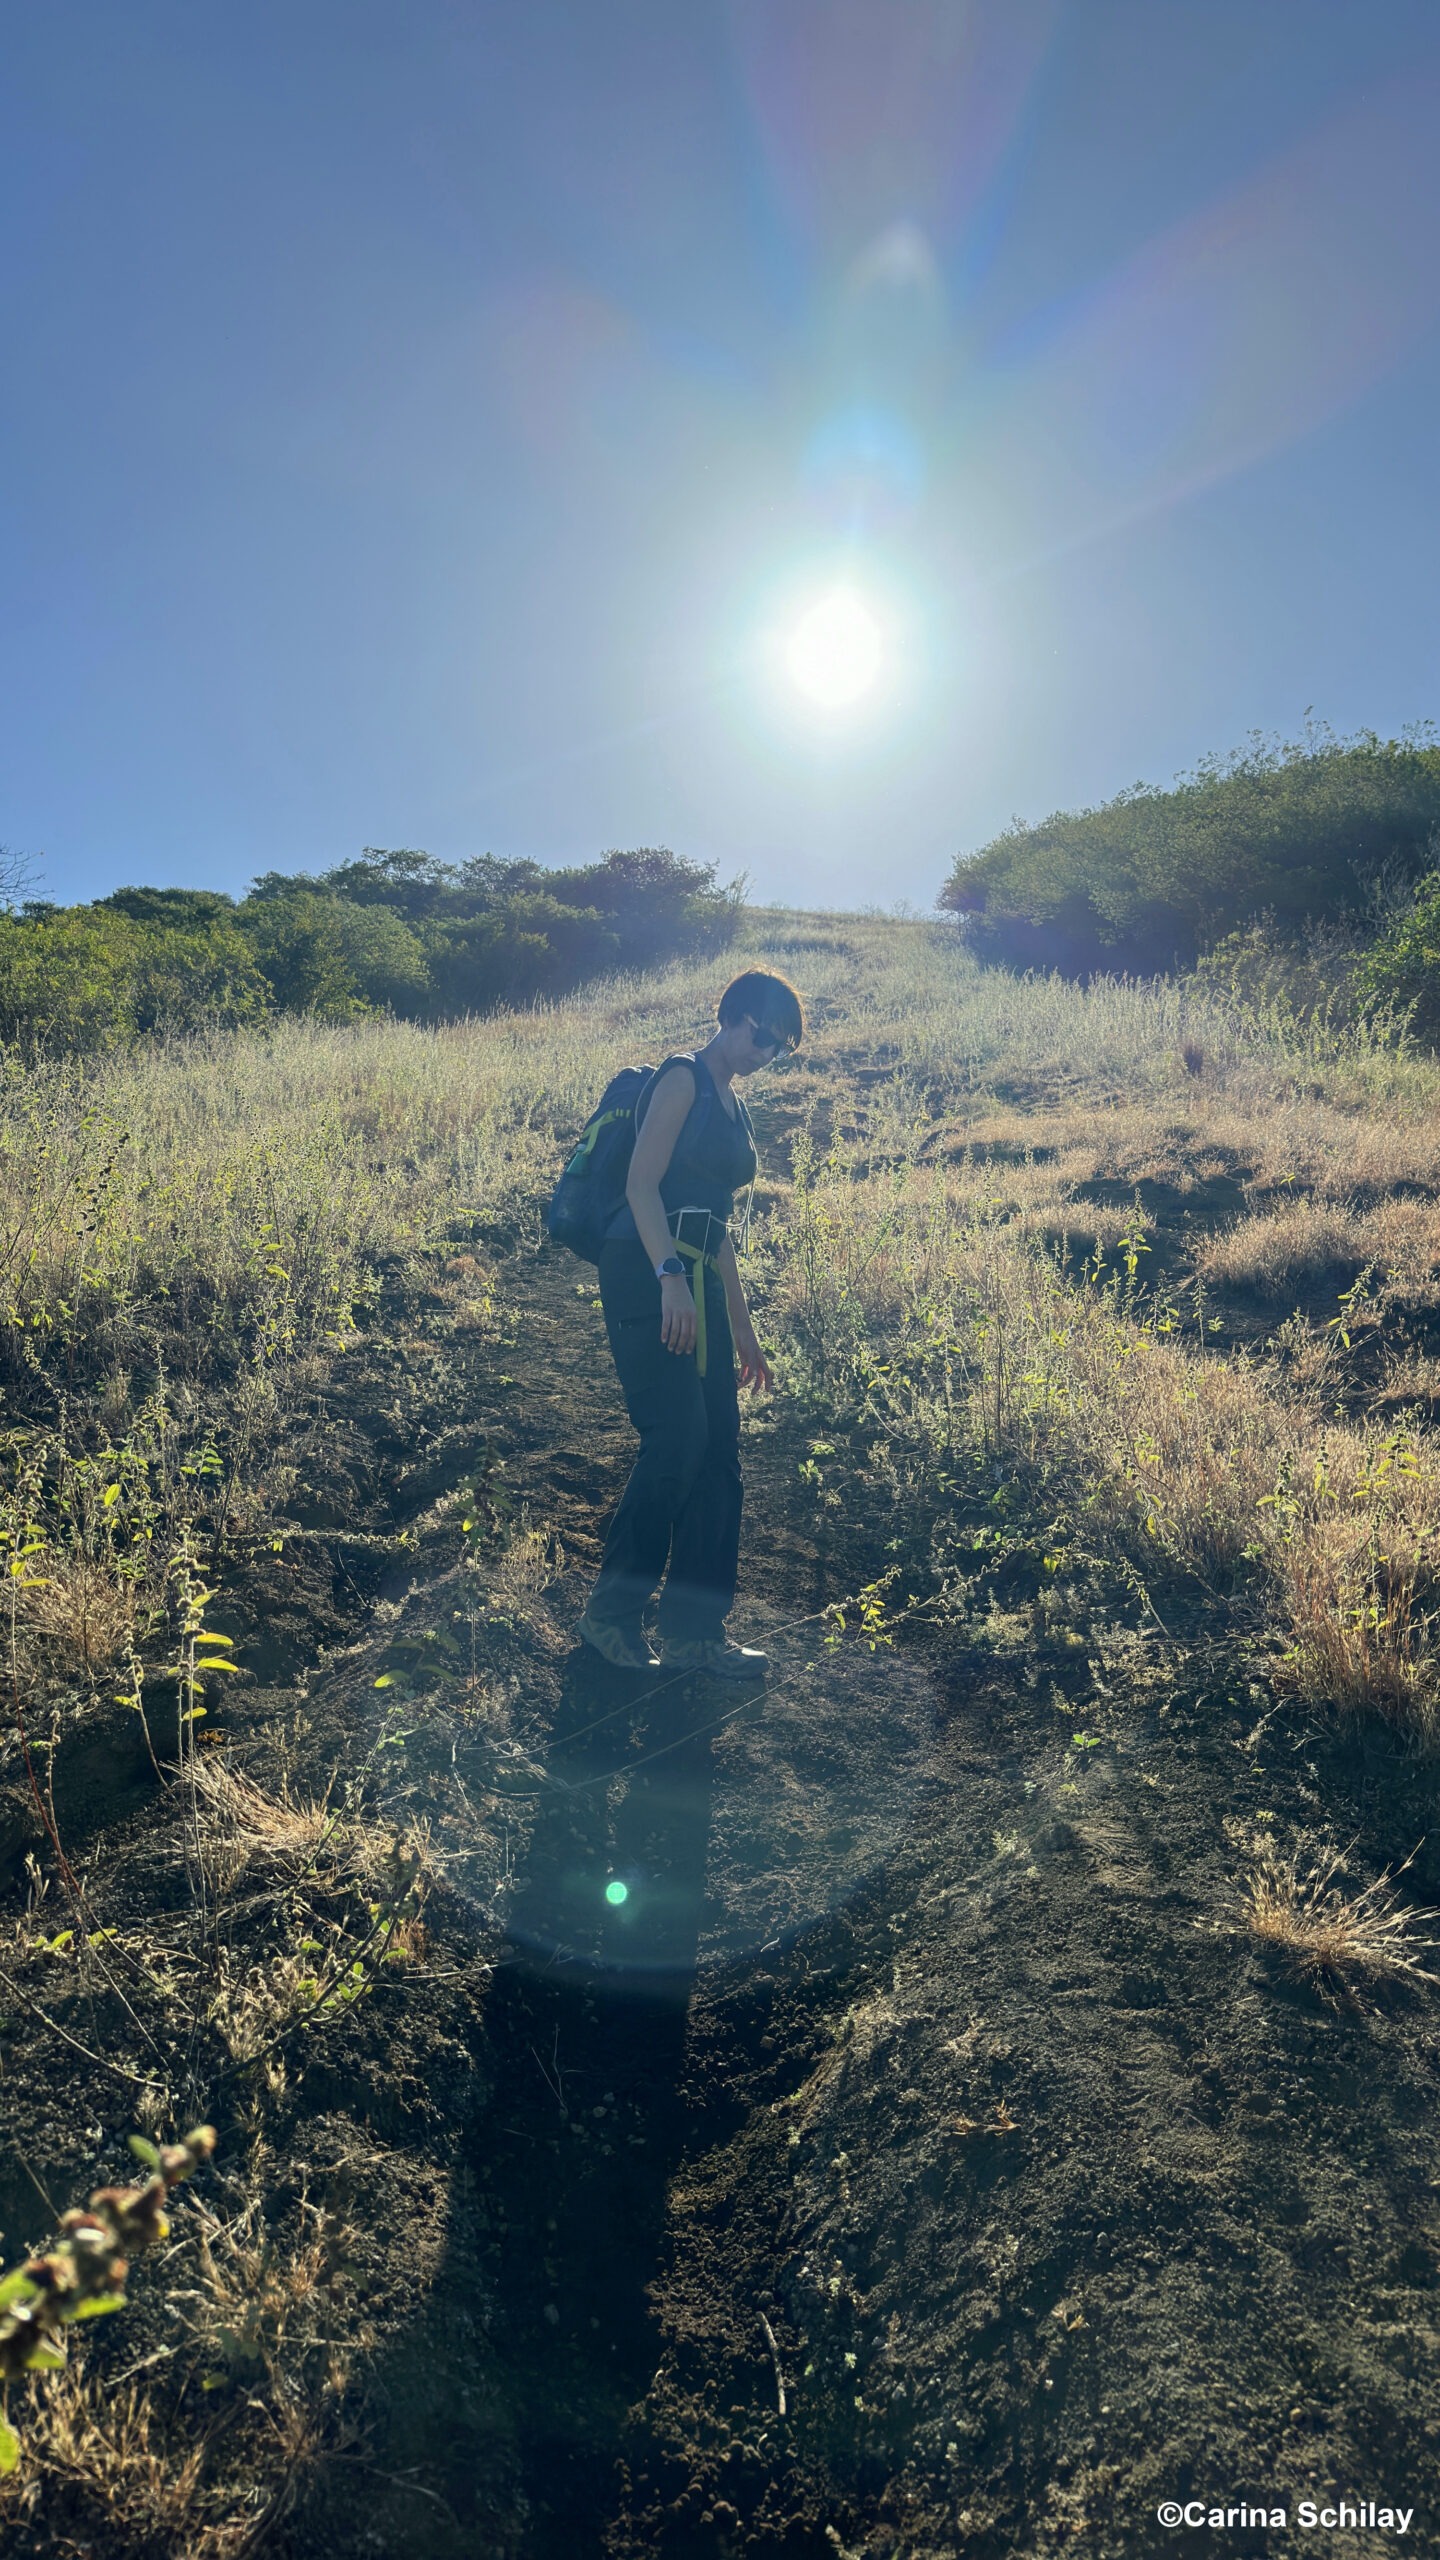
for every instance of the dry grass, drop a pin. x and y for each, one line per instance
(243, 1827)
(1282, 1144)
(1312, 1239)
(264, 2327)
(112, 2453)
(1362, 1636)
(254, 2004)
(109, 2471)
(267, 2308)
(527, 1567)
(1409, 1378)
(81, 1608)
(917, 1289)
(1338, 1942)
(1306, 1242)
(325, 1961)
(223, 1205)
(250, 1182)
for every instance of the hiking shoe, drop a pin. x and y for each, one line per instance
(627, 1652)
(717, 1655)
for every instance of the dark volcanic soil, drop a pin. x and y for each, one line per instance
(919, 2159)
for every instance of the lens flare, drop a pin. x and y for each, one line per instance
(836, 651)
(616, 1892)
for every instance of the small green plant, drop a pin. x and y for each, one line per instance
(318, 1975)
(1135, 1241)
(871, 1615)
(84, 2275)
(1350, 1302)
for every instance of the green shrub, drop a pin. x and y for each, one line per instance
(479, 933)
(66, 980)
(183, 981)
(522, 948)
(1402, 969)
(394, 932)
(87, 977)
(182, 908)
(385, 959)
(655, 903)
(299, 945)
(1153, 878)
(1287, 979)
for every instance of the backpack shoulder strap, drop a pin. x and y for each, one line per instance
(748, 1125)
(678, 1058)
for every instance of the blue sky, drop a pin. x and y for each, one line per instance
(422, 416)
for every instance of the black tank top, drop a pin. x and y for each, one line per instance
(713, 1157)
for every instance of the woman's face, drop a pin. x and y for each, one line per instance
(755, 1044)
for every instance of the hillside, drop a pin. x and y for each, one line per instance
(1006, 2095)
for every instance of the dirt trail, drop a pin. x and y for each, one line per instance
(918, 2084)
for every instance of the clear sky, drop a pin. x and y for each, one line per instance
(424, 420)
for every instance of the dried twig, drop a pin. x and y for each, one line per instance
(42, 2018)
(775, 2360)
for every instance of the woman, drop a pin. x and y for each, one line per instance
(678, 1325)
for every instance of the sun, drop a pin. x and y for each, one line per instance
(836, 650)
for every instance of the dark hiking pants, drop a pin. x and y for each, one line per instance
(682, 1503)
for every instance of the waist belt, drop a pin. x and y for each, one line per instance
(701, 1259)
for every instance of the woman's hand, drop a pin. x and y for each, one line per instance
(677, 1315)
(753, 1365)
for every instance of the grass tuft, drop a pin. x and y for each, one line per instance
(1339, 1943)
(83, 1609)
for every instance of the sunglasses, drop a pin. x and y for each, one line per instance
(762, 1038)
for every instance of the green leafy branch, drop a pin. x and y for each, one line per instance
(871, 1616)
(84, 2275)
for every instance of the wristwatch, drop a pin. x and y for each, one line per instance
(672, 1268)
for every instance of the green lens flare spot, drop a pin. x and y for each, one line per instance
(617, 1892)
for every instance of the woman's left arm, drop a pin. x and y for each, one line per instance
(753, 1365)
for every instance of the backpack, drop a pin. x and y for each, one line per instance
(592, 1186)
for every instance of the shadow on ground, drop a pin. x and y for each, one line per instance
(586, 2028)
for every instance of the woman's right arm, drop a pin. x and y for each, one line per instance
(665, 1116)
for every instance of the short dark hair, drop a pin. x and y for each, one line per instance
(768, 999)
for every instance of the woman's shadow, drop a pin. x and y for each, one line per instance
(586, 2028)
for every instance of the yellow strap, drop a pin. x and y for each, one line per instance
(696, 1260)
